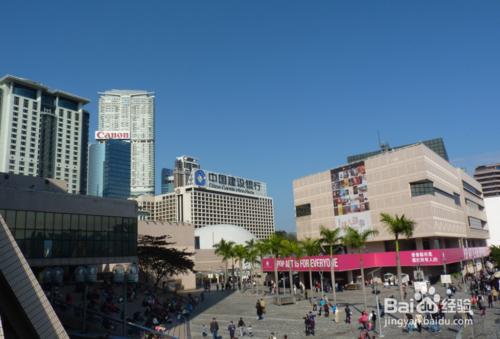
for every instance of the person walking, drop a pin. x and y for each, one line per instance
(260, 311)
(241, 327)
(232, 330)
(490, 300)
(374, 321)
(214, 328)
(347, 314)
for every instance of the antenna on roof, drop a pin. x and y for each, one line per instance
(384, 146)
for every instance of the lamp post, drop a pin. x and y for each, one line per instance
(381, 335)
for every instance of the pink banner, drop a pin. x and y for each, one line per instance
(347, 262)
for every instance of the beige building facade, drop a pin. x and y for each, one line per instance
(445, 202)
(205, 206)
(182, 235)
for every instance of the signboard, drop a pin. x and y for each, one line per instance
(360, 221)
(420, 286)
(105, 135)
(347, 262)
(224, 182)
(445, 279)
(350, 196)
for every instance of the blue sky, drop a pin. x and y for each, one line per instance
(275, 90)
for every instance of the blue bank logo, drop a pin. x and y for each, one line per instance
(200, 178)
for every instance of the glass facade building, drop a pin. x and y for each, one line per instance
(167, 180)
(54, 228)
(109, 170)
(43, 235)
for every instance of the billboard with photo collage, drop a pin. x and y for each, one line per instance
(350, 196)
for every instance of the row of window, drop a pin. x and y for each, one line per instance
(49, 234)
(427, 187)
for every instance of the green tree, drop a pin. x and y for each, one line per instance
(311, 247)
(156, 256)
(224, 249)
(274, 248)
(495, 254)
(357, 241)
(262, 249)
(240, 253)
(398, 226)
(331, 239)
(291, 249)
(292, 236)
(252, 257)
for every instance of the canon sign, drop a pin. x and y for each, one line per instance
(102, 135)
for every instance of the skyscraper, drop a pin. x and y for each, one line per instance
(489, 177)
(184, 165)
(109, 169)
(132, 112)
(167, 180)
(43, 132)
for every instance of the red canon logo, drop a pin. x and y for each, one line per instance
(111, 135)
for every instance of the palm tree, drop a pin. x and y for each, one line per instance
(311, 248)
(225, 250)
(291, 248)
(262, 249)
(240, 252)
(252, 255)
(273, 247)
(397, 226)
(357, 241)
(331, 239)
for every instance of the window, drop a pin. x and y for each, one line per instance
(421, 188)
(476, 223)
(473, 205)
(303, 210)
(16, 100)
(471, 189)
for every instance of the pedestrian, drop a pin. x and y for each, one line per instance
(363, 320)
(258, 307)
(419, 319)
(214, 328)
(232, 330)
(241, 327)
(347, 314)
(490, 300)
(326, 310)
(374, 321)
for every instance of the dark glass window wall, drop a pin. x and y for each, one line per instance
(63, 235)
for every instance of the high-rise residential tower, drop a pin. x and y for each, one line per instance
(132, 112)
(43, 132)
(489, 178)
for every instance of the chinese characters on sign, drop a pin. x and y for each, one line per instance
(423, 257)
(229, 183)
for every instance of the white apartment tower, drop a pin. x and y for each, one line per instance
(132, 111)
(43, 132)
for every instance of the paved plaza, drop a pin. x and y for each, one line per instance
(288, 319)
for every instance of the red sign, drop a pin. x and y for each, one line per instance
(348, 262)
(102, 135)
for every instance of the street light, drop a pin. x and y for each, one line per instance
(122, 276)
(381, 335)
